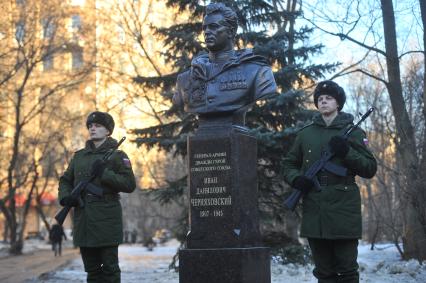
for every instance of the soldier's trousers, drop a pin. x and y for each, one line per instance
(101, 264)
(335, 260)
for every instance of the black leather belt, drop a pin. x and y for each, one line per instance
(92, 197)
(327, 180)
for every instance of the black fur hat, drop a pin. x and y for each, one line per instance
(330, 88)
(101, 118)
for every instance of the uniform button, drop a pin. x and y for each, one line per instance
(210, 100)
(309, 150)
(307, 160)
(346, 188)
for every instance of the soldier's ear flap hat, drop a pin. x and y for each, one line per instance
(330, 88)
(101, 118)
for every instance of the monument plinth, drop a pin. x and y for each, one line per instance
(223, 242)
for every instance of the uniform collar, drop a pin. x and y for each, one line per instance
(107, 145)
(342, 120)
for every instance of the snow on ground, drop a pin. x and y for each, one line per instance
(383, 265)
(139, 265)
(29, 246)
(32, 245)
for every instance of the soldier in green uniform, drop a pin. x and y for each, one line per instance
(98, 227)
(331, 218)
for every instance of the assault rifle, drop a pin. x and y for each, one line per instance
(323, 163)
(85, 186)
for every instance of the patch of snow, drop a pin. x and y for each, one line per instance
(382, 265)
(32, 245)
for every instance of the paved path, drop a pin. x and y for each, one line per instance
(137, 264)
(27, 267)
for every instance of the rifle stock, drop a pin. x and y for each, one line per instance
(292, 201)
(62, 214)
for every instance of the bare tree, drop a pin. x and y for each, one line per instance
(36, 34)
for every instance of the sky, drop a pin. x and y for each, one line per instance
(368, 29)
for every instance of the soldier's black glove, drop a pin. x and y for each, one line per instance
(339, 146)
(303, 184)
(69, 201)
(98, 168)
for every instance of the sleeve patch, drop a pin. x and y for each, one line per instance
(365, 141)
(127, 163)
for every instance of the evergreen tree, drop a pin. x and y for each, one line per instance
(269, 28)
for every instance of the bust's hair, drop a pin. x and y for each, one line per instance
(230, 16)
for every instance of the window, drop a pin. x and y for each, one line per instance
(75, 23)
(48, 28)
(75, 27)
(77, 59)
(20, 32)
(122, 63)
(48, 63)
(121, 34)
(77, 2)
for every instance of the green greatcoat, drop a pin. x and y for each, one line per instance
(100, 222)
(335, 211)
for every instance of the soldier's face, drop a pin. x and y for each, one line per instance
(217, 35)
(97, 132)
(327, 104)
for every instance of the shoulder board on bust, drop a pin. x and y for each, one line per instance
(305, 126)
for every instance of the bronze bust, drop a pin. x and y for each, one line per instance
(224, 81)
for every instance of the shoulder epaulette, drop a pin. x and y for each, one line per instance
(81, 149)
(305, 126)
(359, 128)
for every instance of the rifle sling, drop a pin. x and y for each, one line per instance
(336, 169)
(94, 190)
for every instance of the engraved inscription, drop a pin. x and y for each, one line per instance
(210, 195)
(214, 161)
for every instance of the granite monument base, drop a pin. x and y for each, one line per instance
(227, 265)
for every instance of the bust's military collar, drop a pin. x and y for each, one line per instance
(198, 64)
(221, 57)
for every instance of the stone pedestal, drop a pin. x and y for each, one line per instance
(223, 242)
(240, 265)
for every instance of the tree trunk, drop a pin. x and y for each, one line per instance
(15, 245)
(6, 231)
(20, 240)
(423, 14)
(41, 213)
(372, 223)
(413, 232)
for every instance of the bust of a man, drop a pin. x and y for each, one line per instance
(224, 81)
